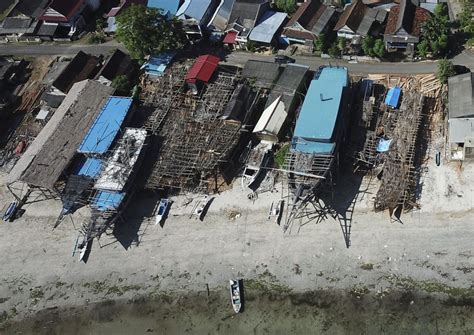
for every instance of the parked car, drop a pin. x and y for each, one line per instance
(282, 59)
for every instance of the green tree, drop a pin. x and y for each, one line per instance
(368, 44)
(436, 31)
(423, 48)
(379, 48)
(334, 50)
(320, 43)
(288, 6)
(122, 85)
(341, 43)
(445, 70)
(144, 31)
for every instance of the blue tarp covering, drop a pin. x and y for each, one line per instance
(91, 167)
(317, 119)
(157, 64)
(168, 7)
(393, 97)
(106, 126)
(105, 200)
(383, 145)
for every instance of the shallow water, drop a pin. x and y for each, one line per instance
(330, 312)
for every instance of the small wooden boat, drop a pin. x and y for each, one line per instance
(276, 211)
(235, 295)
(162, 209)
(258, 159)
(10, 212)
(82, 251)
(202, 207)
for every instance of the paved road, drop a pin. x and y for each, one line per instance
(465, 58)
(239, 58)
(57, 49)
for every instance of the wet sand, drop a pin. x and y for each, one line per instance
(317, 312)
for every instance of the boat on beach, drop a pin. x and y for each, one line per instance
(162, 209)
(276, 211)
(235, 295)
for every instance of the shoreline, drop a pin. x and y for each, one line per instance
(429, 254)
(333, 311)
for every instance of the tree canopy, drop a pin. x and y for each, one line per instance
(445, 70)
(145, 30)
(288, 6)
(122, 85)
(435, 33)
(368, 44)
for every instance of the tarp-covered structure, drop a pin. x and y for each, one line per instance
(118, 168)
(106, 126)
(393, 97)
(157, 64)
(51, 152)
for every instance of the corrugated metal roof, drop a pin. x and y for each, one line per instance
(195, 9)
(203, 68)
(288, 84)
(272, 119)
(267, 27)
(460, 129)
(317, 119)
(461, 95)
(106, 126)
(264, 73)
(220, 20)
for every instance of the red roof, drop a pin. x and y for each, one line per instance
(203, 68)
(62, 10)
(230, 37)
(416, 17)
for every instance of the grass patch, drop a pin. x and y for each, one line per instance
(431, 287)
(36, 294)
(367, 266)
(280, 155)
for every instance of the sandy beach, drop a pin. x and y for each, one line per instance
(429, 252)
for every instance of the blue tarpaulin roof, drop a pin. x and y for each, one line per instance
(105, 200)
(106, 126)
(91, 167)
(168, 7)
(317, 119)
(393, 97)
(157, 64)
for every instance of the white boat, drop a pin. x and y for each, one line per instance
(276, 211)
(162, 209)
(235, 295)
(258, 159)
(202, 206)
